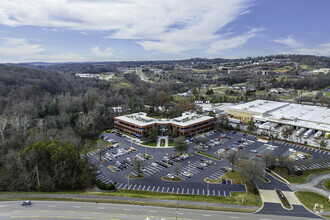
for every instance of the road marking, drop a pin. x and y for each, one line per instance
(214, 192)
(177, 191)
(158, 189)
(163, 188)
(168, 188)
(218, 192)
(197, 191)
(134, 186)
(188, 191)
(224, 193)
(203, 191)
(193, 191)
(206, 215)
(172, 189)
(182, 190)
(143, 187)
(148, 188)
(139, 187)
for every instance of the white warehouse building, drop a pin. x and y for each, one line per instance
(283, 113)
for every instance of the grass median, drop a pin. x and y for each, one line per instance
(299, 178)
(237, 198)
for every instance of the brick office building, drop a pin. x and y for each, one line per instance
(188, 124)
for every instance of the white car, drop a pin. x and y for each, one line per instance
(186, 174)
(295, 158)
(254, 151)
(292, 150)
(301, 156)
(170, 176)
(154, 164)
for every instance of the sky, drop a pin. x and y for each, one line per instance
(125, 30)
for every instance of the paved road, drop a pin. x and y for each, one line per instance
(313, 185)
(83, 210)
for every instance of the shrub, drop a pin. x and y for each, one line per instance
(104, 186)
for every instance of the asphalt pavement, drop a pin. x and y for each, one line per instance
(99, 211)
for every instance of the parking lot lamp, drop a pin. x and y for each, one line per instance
(128, 181)
(208, 191)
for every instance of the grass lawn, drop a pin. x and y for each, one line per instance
(123, 84)
(327, 94)
(302, 178)
(152, 143)
(233, 175)
(237, 198)
(309, 199)
(170, 142)
(326, 184)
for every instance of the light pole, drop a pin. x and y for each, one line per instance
(189, 167)
(128, 181)
(208, 192)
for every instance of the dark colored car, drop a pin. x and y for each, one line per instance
(27, 202)
(201, 168)
(224, 181)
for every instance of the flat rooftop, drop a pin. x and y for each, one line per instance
(314, 117)
(141, 119)
(258, 107)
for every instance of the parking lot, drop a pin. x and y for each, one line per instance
(116, 163)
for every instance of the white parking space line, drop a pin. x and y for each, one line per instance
(120, 185)
(158, 188)
(182, 190)
(218, 192)
(153, 188)
(134, 186)
(148, 188)
(193, 191)
(224, 193)
(125, 186)
(197, 191)
(172, 189)
(163, 189)
(214, 192)
(139, 187)
(203, 192)
(187, 191)
(143, 187)
(177, 190)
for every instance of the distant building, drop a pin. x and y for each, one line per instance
(118, 109)
(281, 61)
(189, 124)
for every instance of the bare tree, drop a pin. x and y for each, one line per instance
(137, 166)
(25, 122)
(251, 170)
(269, 159)
(3, 126)
(201, 141)
(176, 169)
(233, 157)
(180, 145)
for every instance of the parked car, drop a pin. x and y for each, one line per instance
(171, 176)
(26, 202)
(254, 151)
(224, 181)
(186, 174)
(258, 155)
(201, 167)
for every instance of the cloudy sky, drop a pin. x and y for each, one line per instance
(114, 30)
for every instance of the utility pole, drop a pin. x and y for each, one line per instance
(176, 212)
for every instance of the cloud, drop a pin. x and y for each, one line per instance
(170, 26)
(19, 47)
(106, 53)
(226, 44)
(299, 48)
(289, 41)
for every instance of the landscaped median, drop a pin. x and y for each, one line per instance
(208, 155)
(175, 179)
(135, 177)
(251, 201)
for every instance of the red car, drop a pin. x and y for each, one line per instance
(258, 155)
(202, 160)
